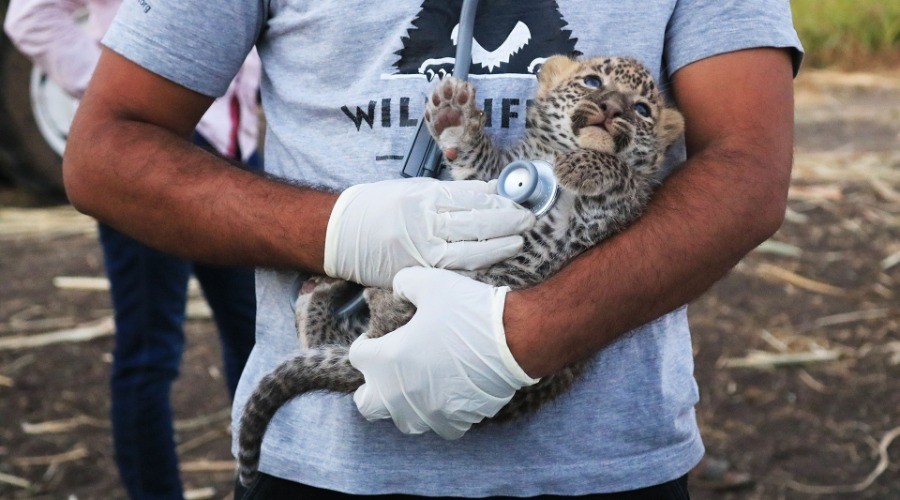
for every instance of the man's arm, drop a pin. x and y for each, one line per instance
(129, 163)
(726, 199)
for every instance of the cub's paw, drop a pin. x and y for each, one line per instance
(452, 117)
(587, 173)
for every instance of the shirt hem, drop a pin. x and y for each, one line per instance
(579, 479)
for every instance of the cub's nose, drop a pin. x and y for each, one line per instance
(613, 105)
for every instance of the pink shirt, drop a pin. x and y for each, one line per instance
(49, 32)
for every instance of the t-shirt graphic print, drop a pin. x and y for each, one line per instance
(511, 37)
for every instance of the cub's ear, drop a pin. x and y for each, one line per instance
(670, 126)
(556, 69)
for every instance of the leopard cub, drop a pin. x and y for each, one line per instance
(603, 125)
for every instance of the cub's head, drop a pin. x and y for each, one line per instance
(607, 104)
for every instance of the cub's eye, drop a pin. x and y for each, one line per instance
(593, 81)
(642, 109)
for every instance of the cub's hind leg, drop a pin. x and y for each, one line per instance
(317, 323)
(457, 126)
(528, 399)
(389, 312)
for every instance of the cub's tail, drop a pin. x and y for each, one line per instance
(326, 368)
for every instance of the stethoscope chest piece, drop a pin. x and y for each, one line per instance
(529, 183)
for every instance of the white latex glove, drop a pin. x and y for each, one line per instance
(379, 228)
(446, 369)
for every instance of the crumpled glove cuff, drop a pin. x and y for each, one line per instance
(506, 356)
(332, 234)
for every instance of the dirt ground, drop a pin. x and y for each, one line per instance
(797, 350)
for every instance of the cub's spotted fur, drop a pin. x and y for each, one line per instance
(603, 125)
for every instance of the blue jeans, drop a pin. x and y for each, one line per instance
(149, 295)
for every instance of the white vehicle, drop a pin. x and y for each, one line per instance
(35, 115)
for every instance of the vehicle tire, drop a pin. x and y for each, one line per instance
(25, 156)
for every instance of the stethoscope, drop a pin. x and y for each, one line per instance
(529, 183)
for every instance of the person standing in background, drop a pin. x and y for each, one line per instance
(149, 287)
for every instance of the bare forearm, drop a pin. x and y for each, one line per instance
(700, 224)
(158, 187)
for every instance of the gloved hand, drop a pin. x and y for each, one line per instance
(446, 369)
(379, 228)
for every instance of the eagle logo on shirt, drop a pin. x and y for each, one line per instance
(510, 37)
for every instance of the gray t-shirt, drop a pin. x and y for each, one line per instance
(344, 85)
